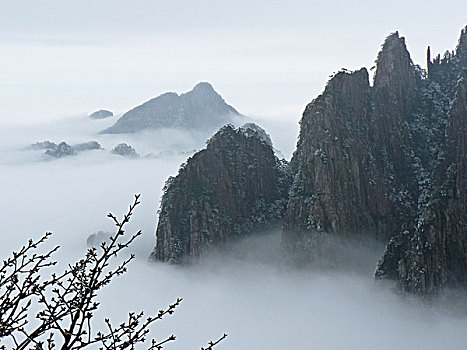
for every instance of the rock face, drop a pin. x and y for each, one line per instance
(336, 186)
(234, 186)
(200, 108)
(434, 252)
(101, 114)
(388, 160)
(351, 139)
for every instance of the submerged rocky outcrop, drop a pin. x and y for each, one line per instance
(63, 149)
(101, 114)
(43, 145)
(387, 160)
(125, 150)
(234, 186)
(199, 108)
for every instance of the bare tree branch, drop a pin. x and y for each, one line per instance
(66, 302)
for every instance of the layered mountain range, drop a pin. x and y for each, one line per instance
(200, 109)
(385, 160)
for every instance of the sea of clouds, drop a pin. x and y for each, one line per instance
(245, 290)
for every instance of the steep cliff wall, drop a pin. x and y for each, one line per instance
(435, 253)
(337, 187)
(388, 160)
(201, 109)
(234, 186)
(353, 154)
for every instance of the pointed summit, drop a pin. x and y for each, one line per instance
(394, 64)
(200, 108)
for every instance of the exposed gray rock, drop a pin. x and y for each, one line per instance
(101, 114)
(125, 150)
(61, 150)
(200, 108)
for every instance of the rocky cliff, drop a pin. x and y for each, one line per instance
(352, 159)
(434, 252)
(387, 160)
(201, 108)
(234, 186)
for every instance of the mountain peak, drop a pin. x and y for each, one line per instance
(393, 61)
(204, 91)
(201, 108)
(203, 86)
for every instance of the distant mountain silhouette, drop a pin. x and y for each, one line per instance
(101, 114)
(200, 108)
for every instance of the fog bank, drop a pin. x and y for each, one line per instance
(245, 290)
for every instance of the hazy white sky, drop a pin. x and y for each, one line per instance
(267, 58)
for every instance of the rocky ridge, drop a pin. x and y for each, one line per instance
(125, 150)
(200, 108)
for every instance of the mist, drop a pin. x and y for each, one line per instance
(246, 289)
